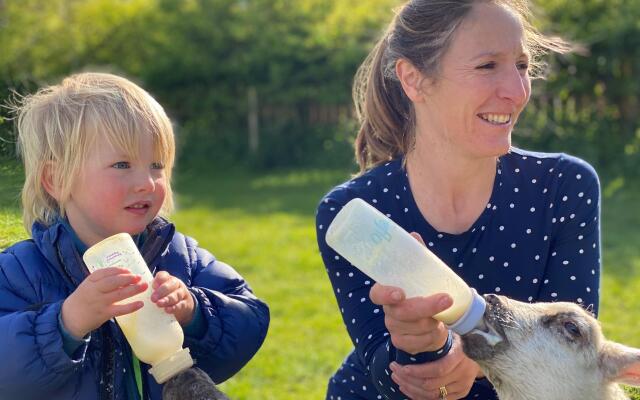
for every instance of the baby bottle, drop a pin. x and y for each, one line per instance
(391, 256)
(155, 336)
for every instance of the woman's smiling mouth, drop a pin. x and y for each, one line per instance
(496, 119)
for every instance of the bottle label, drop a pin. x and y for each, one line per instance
(117, 251)
(367, 247)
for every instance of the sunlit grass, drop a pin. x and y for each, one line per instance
(620, 304)
(264, 226)
(11, 229)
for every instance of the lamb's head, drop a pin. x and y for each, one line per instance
(192, 384)
(549, 351)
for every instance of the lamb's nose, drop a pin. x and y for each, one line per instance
(492, 299)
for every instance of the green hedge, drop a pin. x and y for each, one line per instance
(202, 58)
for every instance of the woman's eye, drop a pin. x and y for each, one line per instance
(523, 66)
(572, 329)
(121, 165)
(489, 65)
(157, 165)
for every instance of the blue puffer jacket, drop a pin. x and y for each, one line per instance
(37, 275)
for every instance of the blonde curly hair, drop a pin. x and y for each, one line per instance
(59, 125)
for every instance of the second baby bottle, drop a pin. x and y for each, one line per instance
(391, 256)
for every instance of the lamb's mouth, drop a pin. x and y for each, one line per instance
(486, 340)
(488, 331)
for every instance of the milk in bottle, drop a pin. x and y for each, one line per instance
(154, 336)
(391, 256)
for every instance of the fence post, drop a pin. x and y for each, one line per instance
(254, 133)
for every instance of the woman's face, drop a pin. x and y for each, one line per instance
(482, 85)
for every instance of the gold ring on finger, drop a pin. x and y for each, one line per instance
(443, 392)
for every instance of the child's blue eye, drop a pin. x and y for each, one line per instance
(157, 165)
(121, 165)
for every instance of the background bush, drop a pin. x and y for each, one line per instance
(202, 58)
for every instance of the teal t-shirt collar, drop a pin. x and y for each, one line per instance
(82, 247)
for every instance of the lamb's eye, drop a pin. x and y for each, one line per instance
(572, 329)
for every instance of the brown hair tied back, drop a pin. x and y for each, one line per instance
(420, 33)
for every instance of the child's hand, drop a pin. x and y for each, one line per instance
(94, 300)
(172, 294)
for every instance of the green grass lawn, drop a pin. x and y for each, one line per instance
(263, 225)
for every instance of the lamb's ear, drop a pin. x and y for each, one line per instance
(620, 363)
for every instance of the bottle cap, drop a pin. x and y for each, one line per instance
(472, 316)
(172, 366)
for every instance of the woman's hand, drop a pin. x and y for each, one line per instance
(455, 372)
(172, 294)
(409, 321)
(99, 298)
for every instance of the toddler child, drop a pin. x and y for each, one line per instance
(98, 152)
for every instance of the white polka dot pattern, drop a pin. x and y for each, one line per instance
(536, 240)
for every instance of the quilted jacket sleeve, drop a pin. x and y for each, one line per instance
(236, 319)
(33, 360)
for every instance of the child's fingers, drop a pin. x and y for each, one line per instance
(102, 273)
(169, 286)
(125, 292)
(113, 282)
(160, 278)
(169, 300)
(175, 297)
(174, 308)
(177, 308)
(182, 310)
(124, 309)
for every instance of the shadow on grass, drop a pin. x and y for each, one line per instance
(11, 179)
(292, 192)
(621, 235)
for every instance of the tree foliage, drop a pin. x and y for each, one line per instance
(201, 58)
(590, 102)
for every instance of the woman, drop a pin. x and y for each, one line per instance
(438, 98)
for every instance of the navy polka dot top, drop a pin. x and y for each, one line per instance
(538, 239)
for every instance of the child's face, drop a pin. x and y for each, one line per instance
(115, 193)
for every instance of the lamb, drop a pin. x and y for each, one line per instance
(192, 384)
(549, 351)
